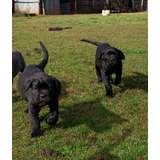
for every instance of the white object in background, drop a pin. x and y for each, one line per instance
(106, 12)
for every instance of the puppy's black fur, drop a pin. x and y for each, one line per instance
(58, 28)
(39, 89)
(18, 63)
(109, 60)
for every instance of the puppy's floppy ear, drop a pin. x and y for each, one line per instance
(101, 56)
(120, 53)
(57, 85)
(28, 84)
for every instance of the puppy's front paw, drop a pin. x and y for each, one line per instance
(52, 119)
(109, 94)
(35, 134)
(116, 82)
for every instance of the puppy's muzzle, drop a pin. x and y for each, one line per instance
(43, 96)
(112, 61)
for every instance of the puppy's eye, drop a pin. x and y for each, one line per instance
(35, 88)
(45, 86)
(50, 89)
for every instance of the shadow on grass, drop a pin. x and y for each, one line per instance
(92, 114)
(64, 86)
(96, 117)
(136, 81)
(104, 154)
(117, 138)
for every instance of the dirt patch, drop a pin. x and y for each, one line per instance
(140, 158)
(45, 151)
(70, 93)
(88, 63)
(93, 82)
(28, 53)
(96, 146)
(92, 139)
(55, 154)
(37, 50)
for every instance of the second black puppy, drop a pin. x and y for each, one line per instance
(39, 89)
(109, 60)
(18, 63)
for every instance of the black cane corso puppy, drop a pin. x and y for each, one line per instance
(18, 63)
(58, 28)
(39, 89)
(109, 60)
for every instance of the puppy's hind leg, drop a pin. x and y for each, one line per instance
(98, 71)
(53, 116)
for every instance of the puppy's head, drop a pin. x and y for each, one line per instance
(42, 89)
(112, 57)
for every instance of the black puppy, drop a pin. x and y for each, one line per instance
(58, 28)
(18, 63)
(109, 60)
(39, 89)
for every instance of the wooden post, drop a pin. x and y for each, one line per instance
(141, 5)
(75, 5)
(133, 5)
(120, 5)
(40, 7)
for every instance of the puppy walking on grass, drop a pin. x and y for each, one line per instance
(109, 60)
(39, 89)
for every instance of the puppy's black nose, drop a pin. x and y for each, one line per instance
(42, 96)
(112, 59)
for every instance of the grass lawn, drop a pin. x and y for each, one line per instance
(90, 126)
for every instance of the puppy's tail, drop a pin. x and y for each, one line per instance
(43, 63)
(92, 42)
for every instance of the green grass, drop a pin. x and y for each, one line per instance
(90, 126)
